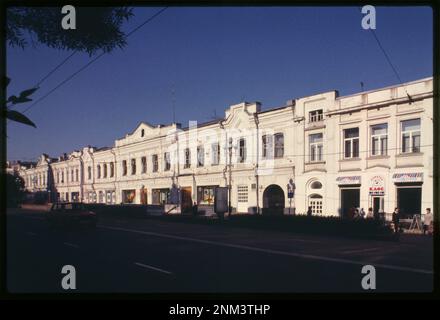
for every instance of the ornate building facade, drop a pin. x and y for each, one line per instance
(328, 152)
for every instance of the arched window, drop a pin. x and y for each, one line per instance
(105, 170)
(112, 169)
(99, 172)
(316, 185)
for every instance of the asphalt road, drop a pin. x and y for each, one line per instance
(150, 256)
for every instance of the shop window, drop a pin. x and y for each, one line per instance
(205, 195)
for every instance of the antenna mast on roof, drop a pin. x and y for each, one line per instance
(173, 101)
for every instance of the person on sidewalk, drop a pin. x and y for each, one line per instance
(309, 212)
(396, 220)
(427, 221)
(195, 209)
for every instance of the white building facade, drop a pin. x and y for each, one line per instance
(368, 150)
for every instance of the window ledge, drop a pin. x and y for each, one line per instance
(409, 154)
(349, 159)
(378, 157)
(314, 162)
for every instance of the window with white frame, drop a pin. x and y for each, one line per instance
(242, 193)
(279, 145)
(98, 169)
(187, 163)
(89, 172)
(315, 202)
(410, 136)
(267, 141)
(316, 115)
(133, 166)
(200, 156)
(316, 147)
(112, 169)
(215, 154)
(379, 139)
(167, 161)
(242, 150)
(155, 163)
(351, 143)
(105, 170)
(144, 164)
(124, 167)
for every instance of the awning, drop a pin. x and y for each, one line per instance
(408, 177)
(349, 180)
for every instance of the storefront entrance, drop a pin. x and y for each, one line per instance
(350, 198)
(409, 200)
(186, 199)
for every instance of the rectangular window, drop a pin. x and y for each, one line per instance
(187, 163)
(77, 175)
(124, 167)
(144, 164)
(316, 146)
(167, 161)
(242, 150)
(351, 143)
(242, 193)
(215, 154)
(105, 170)
(410, 136)
(133, 166)
(279, 145)
(89, 172)
(155, 163)
(379, 140)
(267, 146)
(200, 156)
(316, 116)
(98, 169)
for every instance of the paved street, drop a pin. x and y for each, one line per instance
(134, 255)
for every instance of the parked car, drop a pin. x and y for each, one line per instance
(71, 214)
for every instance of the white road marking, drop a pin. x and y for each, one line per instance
(360, 250)
(152, 268)
(284, 253)
(71, 245)
(31, 234)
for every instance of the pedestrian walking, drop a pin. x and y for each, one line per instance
(427, 221)
(396, 220)
(309, 212)
(370, 214)
(195, 209)
(362, 213)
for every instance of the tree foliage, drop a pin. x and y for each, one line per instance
(23, 97)
(15, 189)
(97, 28)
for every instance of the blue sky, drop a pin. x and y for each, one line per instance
(212, 58)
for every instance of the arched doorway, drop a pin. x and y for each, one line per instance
(273, 200)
